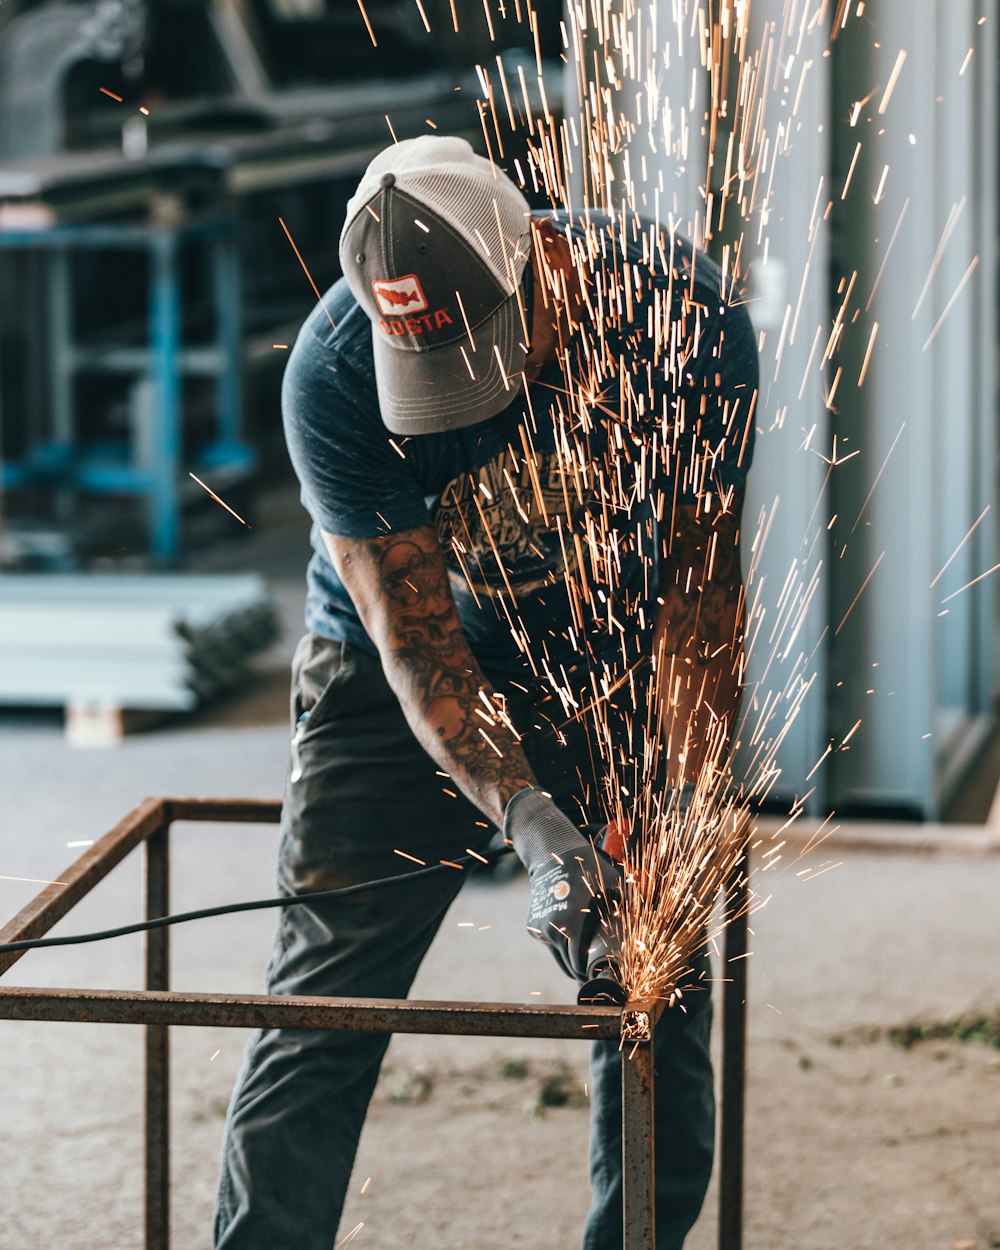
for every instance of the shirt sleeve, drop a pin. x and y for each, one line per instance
(354, 483)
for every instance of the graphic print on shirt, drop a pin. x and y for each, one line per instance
(503, 523)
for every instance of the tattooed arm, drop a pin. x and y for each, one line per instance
(399, 585)
(699, 636)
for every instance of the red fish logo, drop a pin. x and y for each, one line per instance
(399, 295)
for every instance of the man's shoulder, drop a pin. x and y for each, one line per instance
(338, 332)
(660, 252)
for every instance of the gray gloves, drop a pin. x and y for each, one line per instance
(575, 888)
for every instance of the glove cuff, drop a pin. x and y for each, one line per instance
(537, 829)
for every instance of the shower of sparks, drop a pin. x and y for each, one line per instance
(674, 712)
(678, 720)
(219, 501)
(682, 725)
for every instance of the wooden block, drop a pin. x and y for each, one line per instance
(105, 724)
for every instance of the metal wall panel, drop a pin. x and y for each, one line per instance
(788, 240)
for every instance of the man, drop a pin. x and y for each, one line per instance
(523, 449)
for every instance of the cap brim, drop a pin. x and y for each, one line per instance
(450, 387)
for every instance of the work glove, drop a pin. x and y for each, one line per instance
(575, 888)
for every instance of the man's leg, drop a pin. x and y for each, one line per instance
(359, 788)
(684, 1117)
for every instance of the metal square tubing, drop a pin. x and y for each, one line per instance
(158, 1008)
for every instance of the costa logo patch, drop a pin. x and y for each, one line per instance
(399, 296)
(412, 326)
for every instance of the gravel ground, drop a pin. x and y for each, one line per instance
(852, 1142)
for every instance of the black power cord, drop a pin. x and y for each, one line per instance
(259, 904)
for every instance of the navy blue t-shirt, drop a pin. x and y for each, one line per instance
(548, 513)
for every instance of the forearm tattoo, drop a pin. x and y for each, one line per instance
(400, 585)
(702, 588)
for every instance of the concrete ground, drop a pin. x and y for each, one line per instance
(852, 1142)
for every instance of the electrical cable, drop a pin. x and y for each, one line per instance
(258, 904)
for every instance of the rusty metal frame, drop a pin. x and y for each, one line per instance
(158, 1008)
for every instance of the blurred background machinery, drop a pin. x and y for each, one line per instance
(150, 153)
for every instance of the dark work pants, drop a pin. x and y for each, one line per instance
(360, 787)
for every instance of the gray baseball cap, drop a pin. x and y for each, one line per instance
(434, 249)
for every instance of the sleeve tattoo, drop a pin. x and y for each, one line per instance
(400, 586)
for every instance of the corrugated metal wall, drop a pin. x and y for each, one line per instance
(873, 286)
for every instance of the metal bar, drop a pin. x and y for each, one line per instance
(157, 1092)
(244, 811)
(353, 1015)
(52, 903)
(638, 1193)
(734, 1044)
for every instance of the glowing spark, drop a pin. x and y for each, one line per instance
(888, 252)
(364, 1187)
(305, 270)
(859, 594)
(878, 475)
(368, 25)
(850, 172)
(31, 880)
(974, 581)
(960, 546)
(105, 91)
(951, 303)
(346, 1241)
(82, 842)
(949, 229)
(405, 855)
(389, 124)
(219, 501)
(891, 85)
(868, 355)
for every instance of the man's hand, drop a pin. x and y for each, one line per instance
(575, 888)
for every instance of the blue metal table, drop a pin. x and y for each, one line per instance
(153, 466)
